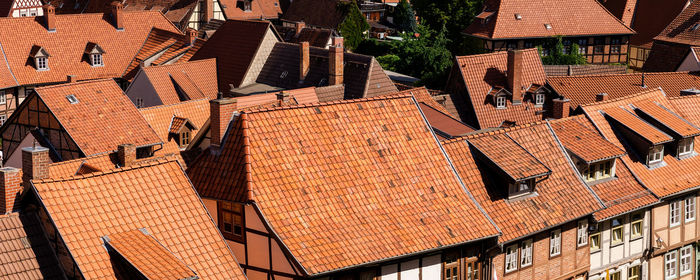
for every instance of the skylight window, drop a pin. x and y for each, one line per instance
(548, 26)
(72, 99)
(284, 74)
(695, 27)
(518, 16)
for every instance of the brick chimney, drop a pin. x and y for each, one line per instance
(118, 15)
(338, 42)
(11, 181)
(50, 17)
(283, 97)
(304, 60)
(601, 97)
(35, 164)
(561, 108)
(126, 153)
(335, 65)
(221, 113)
(299, 26)
(191, 35)
(71, 79)
(208, 12)
(515, 75)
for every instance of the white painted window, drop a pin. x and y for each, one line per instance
(512, 258)
(3, 98)
(501, 101)
(636, 226)
(3, 119)
(674, 210)
(670, 265)
(526, 253)
(686, 260)
(656, 154)
(42, 63)
(617, 231)
(555, 243)
(633, 273)
(96, 59)
(685, 146)
(689, 208)
(539, 99)
(582, 233)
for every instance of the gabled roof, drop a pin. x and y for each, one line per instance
(260, 9)
(67, 46)
(566, 18)
(583, 89)
(97, 163)
(162, 47)
(325, 13)
(484, 72)
(666, 118)
(160, 118)
(632, 122)
(362, 76)
(234, 45)
(194, 80)
(26, 252)
(560, 197)
(675, 175)
(317, 37)
(101, 119)
(344, 163)
(511, 158)
(683, 29)
(687, 107)
(620, 195)
(154, 195)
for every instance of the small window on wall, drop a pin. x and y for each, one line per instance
(3, 98)
(526, 253)
(633, 273)
(617, 232)
(501, 101)
(582, 233)
(231, 220)
(636, 226)
(685, 146)
(689, 209)
(555, 243)
(3, 119)
(670, 263)
(450, 267)
(656, 154)
(184, 138)
(511, 258)
(674, 211)
(615, 275)
(595, 242)
(686, 260)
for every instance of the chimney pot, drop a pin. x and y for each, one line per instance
(561, 108)
(304, 60)
(515, 73)
(283, 97)
(71, 79)
(126, 154)
(11, 189)
(118, 15)
(221, 113)
(335, 65)
(299, 26)
(601, 97)
(191, 36)
(35, 164)
(208, 12)
(49, 17)
(338, 42)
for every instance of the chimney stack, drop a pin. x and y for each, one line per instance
(118, 15)
(299, 26)
(10, 179)
(50, 17)
(221, 113)
(208, 12)
(35, 164)
(191, 35)
(304, 60)
(335, 65)
(126, 154)
(282, 98)
(71, 79)
(338, 42)
(561, 108)
(515, 74)
(601, 97)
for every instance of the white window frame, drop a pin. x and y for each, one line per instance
(500, 101)
(656, 154)
(671, 265)
(685, 146)
(595, 245)
(619, 227)
(539, 98)
(3, 119)
(42, 63)
(634, 222)
(582, 233)
(689, 209)
(3, 98)
(686, 260)
(96, 59)
(526, 253)
(555, 243)
(520, 188)
(674, 212)
(511, 256)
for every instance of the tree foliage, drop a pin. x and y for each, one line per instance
(557, 56)
(455, 16)
(404, 17)
(353, 26)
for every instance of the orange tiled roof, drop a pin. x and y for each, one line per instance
(667, 118)
(155, 195)
(102, 119)
(567, 18)
(620, 195)
(583, 89)
(422, 95)
(675, 176)
(161, 47)
(688, 107)
(26, 253)
(196, 79)
(510, 157)
(97, 163)
(160, 118)
(260, 9)
(67, 45)
(560, 198)
(637, 125)
(335, 188)
(682, 30)
(148, 256)
(444, 125)
(484, 72)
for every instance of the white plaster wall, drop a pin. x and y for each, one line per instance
(432, 267)
(410, 270)
(260, 57)
(389, 272)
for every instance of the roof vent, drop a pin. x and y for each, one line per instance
(695, 27)
(72, 99)
(518, 16)
(690, 91)
(548, 26)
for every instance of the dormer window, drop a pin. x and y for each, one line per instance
(685, 146)
(656, 155)
(42, 63)
(599, 171)
(539, 99)
(41, 57)
(501, 101)
(94, 53)
(184, 139)
(245, 5)
(520, 188)
(96, 59)
(181, 131)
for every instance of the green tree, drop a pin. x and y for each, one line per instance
(353, 26)
(557, 56)
(425, 57)
(455, 15)
(404, 17)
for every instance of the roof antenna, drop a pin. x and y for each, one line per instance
(644, 84)
(34, 145)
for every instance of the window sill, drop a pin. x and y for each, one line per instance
(655, 165)
(600, 181)
(670, 226)
(596, 250)
(618, 243)
(578, 246)
(554, 256)
(635, 238)
(687, 156)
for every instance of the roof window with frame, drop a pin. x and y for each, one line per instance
(682, 131)
(94, 54)
(644, 138)
(40, 58)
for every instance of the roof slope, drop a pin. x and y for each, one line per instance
(484, 72)
(160, 119)
(161, 47)
(681, 30)
(146, 196)
(561, 197)
(102, 119)
(67, 45)
(687, 107)
(317, 37)
(566, 18)
(196, 79)
(583, 89)
(267, 9)
(26, 252)
(675, 176)
(325, 13)
(234, 46)
(352, 182)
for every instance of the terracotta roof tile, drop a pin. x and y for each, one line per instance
(667, 118)
(584, 143)
(583, 70)
(665, 57)
(161, 47)
(160, 118)
(194, 80)
(484, 72)
(330, 93)
(682, 30)
(510, 157)
(317, 37)
(26, 252)
(560, 197)
(650, 17)
(97, 163)
(445, 126)
(583, 89)
(101, 119)
(260, 9)
(687, 106)
(566, 18)
(675, 176)
(67, 45)
(637, 125)
(156, 191)
(148, 256)
(332, 187)
(325, 14)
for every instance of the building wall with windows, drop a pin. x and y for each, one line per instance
(674, 236)
(618, 245)
(570, 262)
(596, 49)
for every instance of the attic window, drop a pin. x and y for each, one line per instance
(184, 138)
(520, 188)
(501, 101)
(599, 171)
(539, 99)
(40, 56)
(685, 146)
(548, 26)
(42, 63)
(72, 99)
(244, 5)
(518, 16)
(284, 74)
(695, 27)
(656, 155)
(94, 52)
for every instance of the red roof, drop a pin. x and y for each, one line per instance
(637, 125)
(162, 47)
(190, 80)
(162, 119)
(682, 29)
(667, 118)
(687, 107)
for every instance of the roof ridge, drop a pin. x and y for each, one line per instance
(624, 74)
(494, 132)
(187, 102)
(329, 103)
(246, 157)
(137, 165)
(179, 64)
(643, 92)
(73, 83)
(613, 16)
(492, 53)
